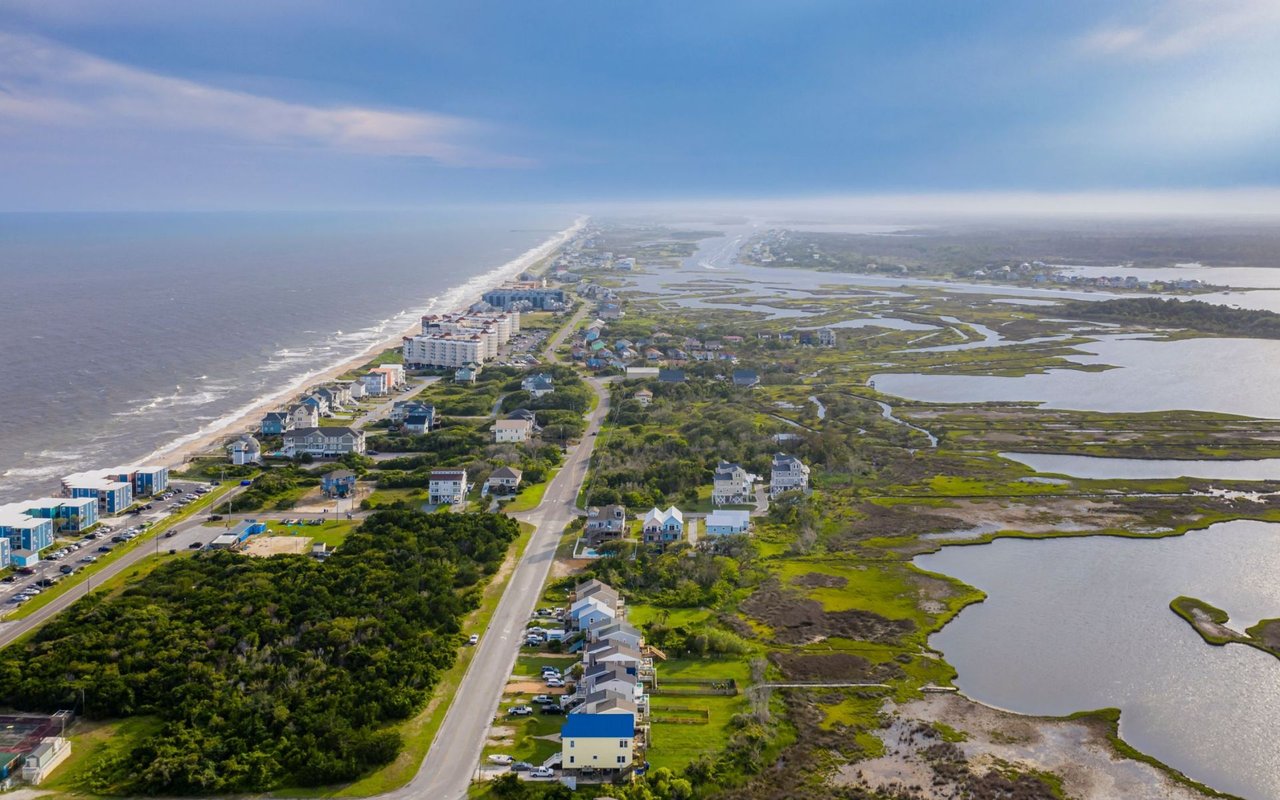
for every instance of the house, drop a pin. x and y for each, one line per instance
(245, 450)
(512, 430)
(789, 474)
(302, 416)
(827, 337)
(601, 742)
(419, 422)
(467, 373)
(275, 423)
(339, 483)
(526, 414)
(671, 375)
(639, 373)
(606, 701)
(644, 397)
(538, 385)
(732, 484)
(503, 480)
(356, 388)
(447, 487)
(375, 383)
(612, 677)
(745, 378)
(69, 514)
(147, 480)
(323, 442)
(613, 653)
(607, 522)
(663, 527)
(621, 632)
(722, 522)
(403, 409)
(394, 373)
(45, 758)
(590, 612)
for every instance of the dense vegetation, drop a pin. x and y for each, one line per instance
(266, 672)
(1195, 314)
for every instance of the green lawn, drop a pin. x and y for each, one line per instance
(93, 743)
(530, 496)
(674, 744)
(332, 532)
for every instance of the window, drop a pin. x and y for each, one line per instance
(571, 759)
(622, 759)
(622, 743)
(572, 742)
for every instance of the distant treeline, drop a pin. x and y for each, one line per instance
(265, 672)
(1195, 314)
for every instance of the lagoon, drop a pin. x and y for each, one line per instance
(1084, 623)
(1259, 469)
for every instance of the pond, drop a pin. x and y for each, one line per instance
(1259, 469)
(1084, 623)
(1233, 376)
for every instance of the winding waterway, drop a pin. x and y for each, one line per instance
(1084, 623)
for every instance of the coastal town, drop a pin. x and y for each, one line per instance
(679, 580)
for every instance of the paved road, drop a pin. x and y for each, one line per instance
(188, 531)
(447, 770)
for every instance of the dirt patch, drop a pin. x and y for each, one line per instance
(875, 520)
(999, 756)
(832, 667)
(277, 545)
(1044, 515)
(530, 687)
(1268, 632)
(819, 580)
(796, 619)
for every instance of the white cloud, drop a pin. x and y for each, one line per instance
(44, 84)
(1177, 28)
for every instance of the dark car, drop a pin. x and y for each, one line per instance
(170, 534)
(521, 766)
(195, 545)
(106, 548)
(66, 569)
(26, 571)
(551, 708)
(118, 539)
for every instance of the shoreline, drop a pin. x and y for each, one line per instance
(176, 454)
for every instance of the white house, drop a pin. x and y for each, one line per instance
(722, 522)
(538, 384)
(447, 486)
(376, 384)
(789, 474)
(503, 480)
(512, 430)
(303, 416)
(46, 756)
(245, 450)
(663, 527)
(732, 484)
(323, 442)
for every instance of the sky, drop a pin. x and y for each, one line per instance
(286, 104)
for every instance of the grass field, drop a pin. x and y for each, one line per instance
(674, 744)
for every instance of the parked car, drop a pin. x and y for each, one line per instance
(473, 639)
(195, 545)
(551, 708)
(106, 548)
(544, 698)
(521, 711)
(542, 772)
(555, 683)
(521, 766)
(500, 758)
(66, 569)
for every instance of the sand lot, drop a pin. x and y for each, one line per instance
(276, 545)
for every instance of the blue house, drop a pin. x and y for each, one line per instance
(339, 483)
(248, 528)
(146, 480)
(113, 495)
(274, 423)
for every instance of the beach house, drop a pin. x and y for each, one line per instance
(606, 522)
(664, 527)
(275, 423)
(339, 483)
(503, 481)
(323, 442)
(789, 474)
(23, 530)
(245, 450)
(70, 514)
(447, 486)
(512, 430)
(113, 495)
(732, 484)
(538, 385)
(722, 522)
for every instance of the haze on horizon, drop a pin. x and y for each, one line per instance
(1129, 106)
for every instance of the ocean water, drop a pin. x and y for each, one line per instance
(122, 335)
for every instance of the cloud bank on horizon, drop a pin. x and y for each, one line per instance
(288, 104)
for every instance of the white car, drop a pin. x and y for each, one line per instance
(474, 639)
(501, 759)
(542, 772)
(522, 711)
(555, 683)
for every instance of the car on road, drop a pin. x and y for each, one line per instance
(170, 534)
(195, 545)
(542, 772)
(106, 548)
(473, 639)
(66, 569)
(521, 711)
(501, 759)
(555, 683)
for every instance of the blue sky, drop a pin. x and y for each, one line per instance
(291, 104)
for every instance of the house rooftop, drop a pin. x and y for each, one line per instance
(506, 472)
(599, 726)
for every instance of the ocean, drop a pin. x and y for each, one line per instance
(124, 335)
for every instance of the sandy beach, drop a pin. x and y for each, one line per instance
(177, 454)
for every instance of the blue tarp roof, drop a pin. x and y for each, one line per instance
(599, 726)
